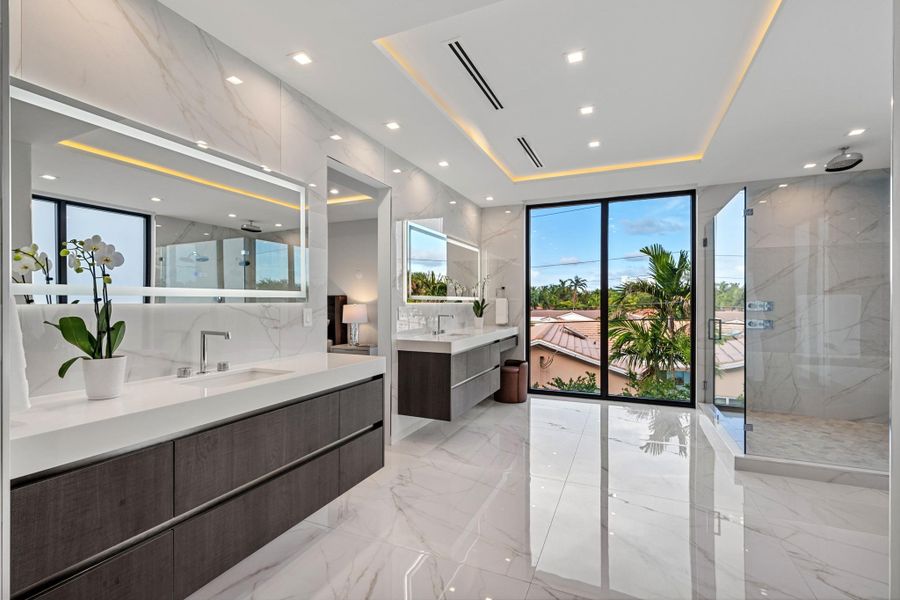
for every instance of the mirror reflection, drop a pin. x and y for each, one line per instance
(439, 267)
(193, 226)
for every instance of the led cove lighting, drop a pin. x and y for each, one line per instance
(594, 144)
(129, 160)
(809, 166)
(301, 58)
(586, 110)
(443, 163)
(348, 199)
(335, 137)
(234, 80)
(48, 177)
(575, 57)
(392, 125)
(856, 132)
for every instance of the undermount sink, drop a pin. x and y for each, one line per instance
(225, 379)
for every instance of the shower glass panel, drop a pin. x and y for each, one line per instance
(817, 322)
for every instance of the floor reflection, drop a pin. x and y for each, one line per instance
(556, 499)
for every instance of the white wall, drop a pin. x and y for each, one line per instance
(895, 320)
(353, 269)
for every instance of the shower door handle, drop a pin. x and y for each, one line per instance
(714, 329)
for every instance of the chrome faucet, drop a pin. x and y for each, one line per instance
(439, 329)
(203, 334)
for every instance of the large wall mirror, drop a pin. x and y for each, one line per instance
(439, 268)
(192, 224)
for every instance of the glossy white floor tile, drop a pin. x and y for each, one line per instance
(560, 499)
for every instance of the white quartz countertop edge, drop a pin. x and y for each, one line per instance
(452, 342)
(64, 428)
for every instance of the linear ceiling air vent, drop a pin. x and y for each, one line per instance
(475, 74)
(527, 148)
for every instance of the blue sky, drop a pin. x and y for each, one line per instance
(729, 241)
(565, 240)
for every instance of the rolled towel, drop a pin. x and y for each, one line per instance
(501, 309)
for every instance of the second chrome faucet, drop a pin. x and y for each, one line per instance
(203, 358)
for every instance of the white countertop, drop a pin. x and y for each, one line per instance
(63, 428)
(454, 341)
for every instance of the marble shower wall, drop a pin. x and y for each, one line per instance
(139, 59)
(819, 249)
(503, 247)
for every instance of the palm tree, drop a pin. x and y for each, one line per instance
(668, 288)
(578, 285)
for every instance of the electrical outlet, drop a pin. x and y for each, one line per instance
(307, 317)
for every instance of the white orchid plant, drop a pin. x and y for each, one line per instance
(98, 258)
(480, 304)
(28, 260)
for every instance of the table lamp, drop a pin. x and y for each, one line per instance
(354, 314)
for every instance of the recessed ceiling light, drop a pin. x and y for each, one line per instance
(48, 176)
(453, 202)
(398, 171)
(586, 110)
(763, 201)
(489, 198)
(313, 185)
(302, 58)
(155, 199)
(594, 144)
(206, 233)
(335, 137)
(575, 57)
(232, 216)
(857, 131)
(508, 212)
(265, 168)
(202, 144)
(392, 125)
(158, 225)
(277, 224)
(809, 166)
(234, 80)
(443, 163)
(782, 185)
(335, 191)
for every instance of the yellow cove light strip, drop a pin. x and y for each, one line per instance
(473, 134)
(173, 172)
(348, 199)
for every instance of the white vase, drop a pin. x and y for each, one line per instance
(104, 377)
(479, 322)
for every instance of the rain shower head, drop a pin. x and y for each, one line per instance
(251, 227)
(843, 161)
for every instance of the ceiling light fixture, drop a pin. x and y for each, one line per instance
(393, 125)
(202, 144)
(313, 185)
(335, 191)
(335, 137)
(277, 224)
(489, 198)
(575, 57)
(265, 168)
(809, 166)
(443, 163)
(586, 110)
(48, 177)
(232, 216)
(301, 58)
(594, 144)
(206, 233)
(233, 80)
(398, 171)
(508, 211)
(156, 199)
(859, 131)
(453, 202)
(782, 185)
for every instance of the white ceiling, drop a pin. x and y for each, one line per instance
(659, 74)
(347, 186)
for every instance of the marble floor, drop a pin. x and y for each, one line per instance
(558, 499)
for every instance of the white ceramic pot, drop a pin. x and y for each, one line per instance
(104, 377)
(479, 322)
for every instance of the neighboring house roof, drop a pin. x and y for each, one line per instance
(564, 315)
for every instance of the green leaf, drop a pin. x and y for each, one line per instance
(76, 333)
(116, 335)
(103, 319)
(64, 368)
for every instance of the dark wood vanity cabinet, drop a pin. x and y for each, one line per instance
(442, 386)
(162, 521)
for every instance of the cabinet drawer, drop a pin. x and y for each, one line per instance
(361, 406)
(62, 520)
(216, 540)
(142, 573)
(469, 364)
(214, 462)
(361, 457)
(509, 343)
(467, 395)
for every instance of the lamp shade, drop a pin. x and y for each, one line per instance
(355, 313)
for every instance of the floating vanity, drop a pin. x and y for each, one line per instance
(155, 493)
(443, 376)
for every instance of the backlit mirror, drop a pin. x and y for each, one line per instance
(439, 268)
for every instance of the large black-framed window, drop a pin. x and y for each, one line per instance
(610, 287)
(55, 220)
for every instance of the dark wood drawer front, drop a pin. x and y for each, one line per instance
(472, 392)
(142, 573)
(361, 457)
(217, 461)
(361, 406)
(210, 543)
(63, 520)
